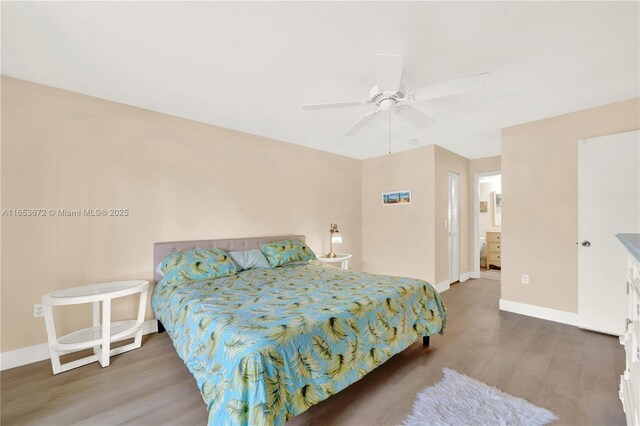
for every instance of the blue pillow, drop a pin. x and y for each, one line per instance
(288, 251)
(198, 264)
(249, 259)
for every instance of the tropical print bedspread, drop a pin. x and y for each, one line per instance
(266, 344)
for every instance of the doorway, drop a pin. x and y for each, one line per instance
(487, 229)
(453, 221)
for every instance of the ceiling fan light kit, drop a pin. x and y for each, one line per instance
(389, 94)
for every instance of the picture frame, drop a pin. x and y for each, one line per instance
(396, 197)
(484, 206)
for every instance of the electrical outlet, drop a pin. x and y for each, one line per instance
(38, 311)
(525, 279)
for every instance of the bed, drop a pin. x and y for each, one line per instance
(266, 344)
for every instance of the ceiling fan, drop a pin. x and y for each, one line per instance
(389, 94)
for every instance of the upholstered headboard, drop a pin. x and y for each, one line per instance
(160, 250)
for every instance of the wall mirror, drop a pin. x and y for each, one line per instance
(497, 209)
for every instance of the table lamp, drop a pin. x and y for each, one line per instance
(335, 238)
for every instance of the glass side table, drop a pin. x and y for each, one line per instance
(104, 332)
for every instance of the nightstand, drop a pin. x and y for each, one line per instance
(342, 258)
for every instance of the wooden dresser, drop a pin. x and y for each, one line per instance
(494, 245)
(630, 379)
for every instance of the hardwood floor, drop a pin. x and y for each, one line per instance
(573, 372)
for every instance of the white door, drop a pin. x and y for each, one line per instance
(608, 204)
(454, 227)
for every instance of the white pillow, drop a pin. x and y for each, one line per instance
(249, 259)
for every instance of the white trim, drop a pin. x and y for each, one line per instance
(31, 354)
(541, 312)
(24, 356)
(476, 220)
(446, 285)
(465, 276)
(443, 286)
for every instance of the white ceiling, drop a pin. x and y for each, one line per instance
(250, 66)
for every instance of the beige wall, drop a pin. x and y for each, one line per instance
(398, 239)
(484, 165)
(540, 201)
(411, 240)
(180, 180)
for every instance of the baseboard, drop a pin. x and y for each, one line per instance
(541, 312)
(474, 275)
(465, 276)
(24, 356)
(446, 285)
(443, 286)
(31, 354)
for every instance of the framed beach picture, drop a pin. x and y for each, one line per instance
(396, 197)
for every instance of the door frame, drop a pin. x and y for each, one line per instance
(475, 247)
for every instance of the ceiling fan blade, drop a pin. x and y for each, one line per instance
(414, 117)
(389, 72)
(360, 124)
(451, 88)
(334, 105)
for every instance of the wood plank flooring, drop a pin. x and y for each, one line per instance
(573, 372)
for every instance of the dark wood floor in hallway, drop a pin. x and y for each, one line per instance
(573, 372)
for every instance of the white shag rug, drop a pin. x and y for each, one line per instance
(460, 400)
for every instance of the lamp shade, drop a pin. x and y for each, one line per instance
(336, 238)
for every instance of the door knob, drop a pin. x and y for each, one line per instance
(586, 243)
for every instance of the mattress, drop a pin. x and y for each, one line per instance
(266, 344)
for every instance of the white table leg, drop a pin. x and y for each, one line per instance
(345, 264)
(96, 321)
(52, 338)
(105, 351)
(140, 320)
